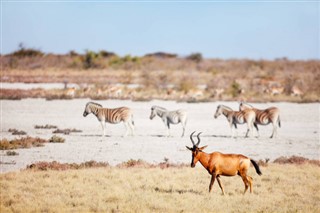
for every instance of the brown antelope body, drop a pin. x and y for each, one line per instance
(218, 164)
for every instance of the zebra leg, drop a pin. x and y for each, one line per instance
(103, 125)
(168, 125)
(183, 128)
(131, 128)
(232, 132)
(250, 129)
(274, 131)
(127, 129)
(256, 126)
(184, 123)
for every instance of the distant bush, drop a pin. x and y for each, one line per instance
(235, 89)
(47, 126)
(73, 53)
(12, 153)
(56, 139)
(26, 52)
(66, 131)
(106, 54)
(89, 59)
(161, 55)
(17, 132)
(196, 57)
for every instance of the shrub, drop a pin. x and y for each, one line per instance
(26, 142)
(106, 54)
(56, 139)
(12, 153)
(47, 126)
(26, 52)
(196, 57)
(89, 59)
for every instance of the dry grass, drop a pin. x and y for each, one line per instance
(25, 142)
(281, 188)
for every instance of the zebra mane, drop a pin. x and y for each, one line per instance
(226, 107)
(159, 107)
(246, 105)
(95, 104)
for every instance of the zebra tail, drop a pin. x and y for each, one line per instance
(279, 122)
(132, 121)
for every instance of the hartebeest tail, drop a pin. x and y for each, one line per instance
(219, 164)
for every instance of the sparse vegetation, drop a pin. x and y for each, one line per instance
(160, 74)
(56, 139)
(65, 131)
(26, 142)
(12, 153)
(47, 126)
(17, 132)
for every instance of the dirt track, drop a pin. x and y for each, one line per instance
(299, 133)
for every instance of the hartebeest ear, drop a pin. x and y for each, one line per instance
(189, 148)
(202, 148)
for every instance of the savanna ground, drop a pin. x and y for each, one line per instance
(103, 76)
(281, 188)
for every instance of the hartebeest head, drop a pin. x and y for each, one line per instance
(196, 151)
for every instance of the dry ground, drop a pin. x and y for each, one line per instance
(281, 188)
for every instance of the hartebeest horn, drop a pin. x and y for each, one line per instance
(191, 138)
(198, 139)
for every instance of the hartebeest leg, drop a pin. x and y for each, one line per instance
(220, 184)
(211, 182)
(250, 183)
(245, 181)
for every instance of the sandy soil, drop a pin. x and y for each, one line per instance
(298, 135)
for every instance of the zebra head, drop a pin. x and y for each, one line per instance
(90, 107)
(218, 112)
(153, 112)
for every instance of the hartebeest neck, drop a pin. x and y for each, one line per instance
(204, 159)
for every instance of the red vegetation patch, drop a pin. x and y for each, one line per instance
(26, 142)
(296, 160)
(54, 165)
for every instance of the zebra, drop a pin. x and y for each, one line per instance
(264, 117)
(113, 116)
(170, 117)
(237, 117)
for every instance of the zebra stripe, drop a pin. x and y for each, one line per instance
(170, 117)
(264, 117)
(237, 117)
(113, 116)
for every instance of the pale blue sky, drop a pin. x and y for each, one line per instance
(247, 29)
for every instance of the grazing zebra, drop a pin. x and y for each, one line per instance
(170, 117)
(237, 117)
(264, 117)
(114, 116)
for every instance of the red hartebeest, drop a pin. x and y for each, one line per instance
(218, 164)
